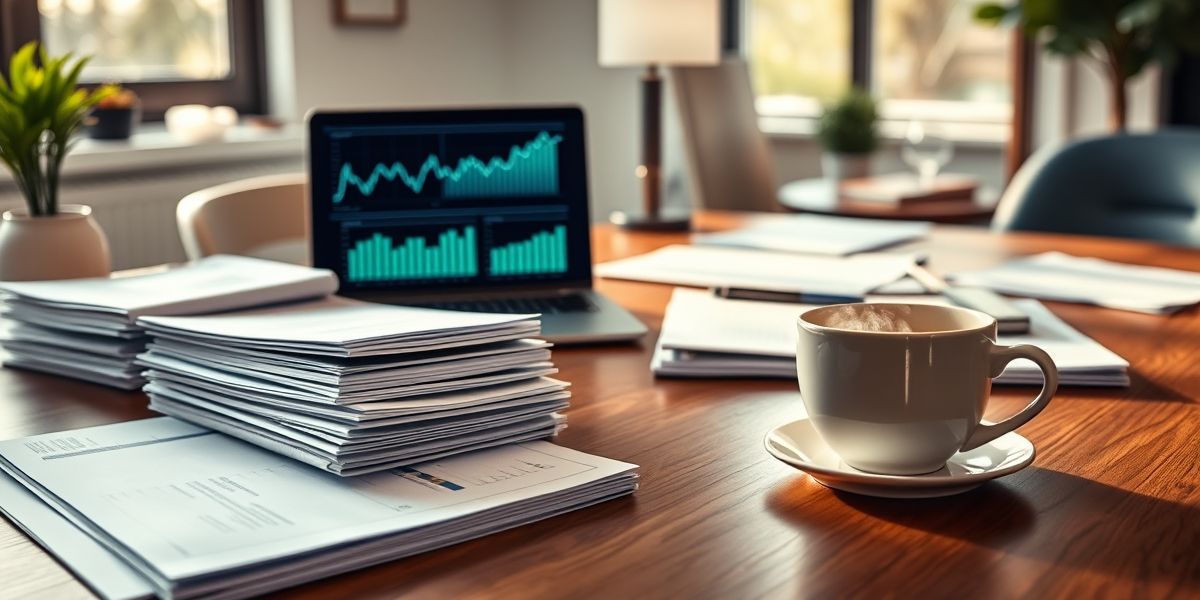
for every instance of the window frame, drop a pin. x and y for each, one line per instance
(244, 89)
(862, 30)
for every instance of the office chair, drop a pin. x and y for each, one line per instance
(728, 158)
(263, 217)
(1144, 186)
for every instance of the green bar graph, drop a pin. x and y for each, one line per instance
(380, 258)
(543, 252)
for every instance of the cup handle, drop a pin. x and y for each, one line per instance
(1000, 357)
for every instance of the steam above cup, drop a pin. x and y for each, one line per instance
(898, 389)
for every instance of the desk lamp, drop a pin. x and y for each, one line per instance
(654, 33)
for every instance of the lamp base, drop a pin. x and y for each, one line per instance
(634, 222)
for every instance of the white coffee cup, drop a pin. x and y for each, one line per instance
(903, 402)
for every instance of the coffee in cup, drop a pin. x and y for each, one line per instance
(900, 388)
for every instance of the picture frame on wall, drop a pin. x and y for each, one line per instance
(379, 13)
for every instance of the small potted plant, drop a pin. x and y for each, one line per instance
(115, 115)
(847, 131)
(41, 109)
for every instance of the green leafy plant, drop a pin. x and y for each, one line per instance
(1122, 37)
(41, 110)
(848, 126)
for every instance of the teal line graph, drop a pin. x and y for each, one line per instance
(378, 258)
(543, 252)
(530, 169)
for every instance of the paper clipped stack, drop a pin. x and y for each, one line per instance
(85, 328)
(354, 387)
(707, 336)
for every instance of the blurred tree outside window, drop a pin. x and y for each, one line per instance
(141, 40)
(928, 59)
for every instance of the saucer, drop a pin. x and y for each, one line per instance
(798, 444)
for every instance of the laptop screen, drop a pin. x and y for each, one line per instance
(432, 202)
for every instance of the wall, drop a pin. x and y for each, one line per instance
(471, 52)
(449, 52)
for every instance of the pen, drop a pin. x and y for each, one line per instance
(733, 293)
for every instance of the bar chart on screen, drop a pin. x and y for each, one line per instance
(542, 252)
(381, 257)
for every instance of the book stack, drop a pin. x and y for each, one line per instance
(905, 188)
(707, 336)
(86, 328)
(353, 387)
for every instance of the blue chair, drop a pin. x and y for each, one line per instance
(1144, 186)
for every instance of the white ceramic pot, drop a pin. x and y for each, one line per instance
(845, 166)
(68, 245)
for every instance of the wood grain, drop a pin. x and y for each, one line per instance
(1110, 508)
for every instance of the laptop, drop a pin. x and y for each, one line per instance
(483, 210)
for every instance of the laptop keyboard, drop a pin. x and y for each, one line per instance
(571, 303)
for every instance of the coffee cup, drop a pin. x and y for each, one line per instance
(898, 389)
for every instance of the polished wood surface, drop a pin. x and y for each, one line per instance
(1110, 507)
(820, 196)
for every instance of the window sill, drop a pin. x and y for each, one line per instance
(980, 136)
(153, 148)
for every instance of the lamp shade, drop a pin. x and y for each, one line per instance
(664, 32)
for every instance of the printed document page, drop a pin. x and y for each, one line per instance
(1059, 276)
(815, 234)
(211, 284)
(223, 503)
(104, 573)
(336, 321)
(704, 266)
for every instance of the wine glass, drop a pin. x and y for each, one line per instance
(926, 152)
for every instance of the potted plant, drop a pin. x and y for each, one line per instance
(115, 115)
(847, 131)
(1121, 37)
(41, 109)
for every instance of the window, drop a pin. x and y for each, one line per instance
(168, 51)
(924, 59)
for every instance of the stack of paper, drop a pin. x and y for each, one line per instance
(757, 270)
(815, 234)
(706, 336)
(1058, 276)
(354, 387)
(160, 506)
(85, 328)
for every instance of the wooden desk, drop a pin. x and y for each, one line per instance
(1111, 506)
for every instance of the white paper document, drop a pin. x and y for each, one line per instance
(199, 514)
(702, 266)
(707, 336)
(108, 576)
(85, 328)
(306, 380)
(1058, 276)
(815, 234)
(343, 327)
(211, 284)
